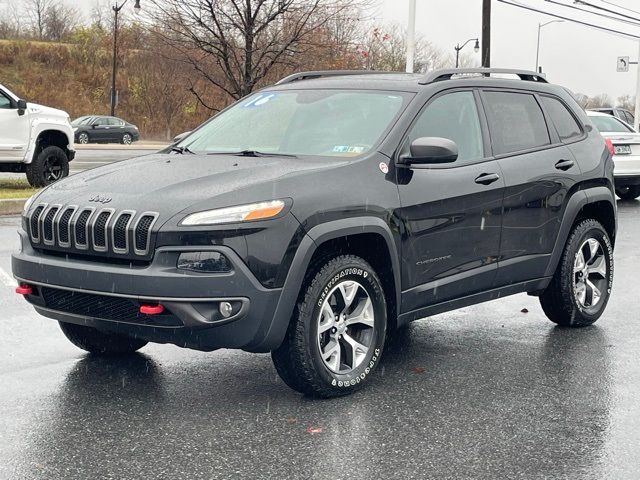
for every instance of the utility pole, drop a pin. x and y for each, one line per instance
(637, 112)
(114, 70)
(486, 33)
(411, 36)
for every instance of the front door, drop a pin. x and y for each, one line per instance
(101, 130)
(450, 214)
(14, 131)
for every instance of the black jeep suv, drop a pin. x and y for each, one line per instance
(312, 218)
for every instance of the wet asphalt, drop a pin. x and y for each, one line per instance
(492, 391)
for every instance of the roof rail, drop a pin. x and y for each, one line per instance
(328, 73)
(439, 75)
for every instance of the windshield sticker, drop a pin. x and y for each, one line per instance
(348, 149)
(259, 100)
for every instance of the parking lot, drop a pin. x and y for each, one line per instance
(491, 391)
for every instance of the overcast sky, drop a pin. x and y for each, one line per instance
(578, 57)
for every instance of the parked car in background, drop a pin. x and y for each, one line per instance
(34, 139)
(626, 148)
(624, 115)
(102, 129)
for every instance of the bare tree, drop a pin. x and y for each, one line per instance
(60, 20)
(36, 11)
(627, 102)
(235, 44)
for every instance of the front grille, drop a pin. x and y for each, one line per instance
(47, 230)
(103, 307)
(105, 231)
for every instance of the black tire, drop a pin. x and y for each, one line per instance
(127, 139)
(83, 138)
(50, 165)
(100, 343)
(298, 360)
(628, 193)
(561, 300)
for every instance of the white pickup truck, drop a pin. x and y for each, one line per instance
(34, 139)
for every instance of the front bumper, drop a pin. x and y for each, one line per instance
(101, 294)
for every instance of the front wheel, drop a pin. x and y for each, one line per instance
(49, 166)
(98, 342)
(581, 285)
(337, 333)
(127, 139)
(628, 193)
(83, 138)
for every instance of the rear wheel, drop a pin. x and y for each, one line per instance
(581, 285)
(337, 333)
(49, 166)
(100, 343)
(628, 193)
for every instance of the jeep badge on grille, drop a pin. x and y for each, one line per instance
(100, 199)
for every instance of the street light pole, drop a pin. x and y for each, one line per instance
(540, 25)
(411, 36)
(458, 47)
(116, 10)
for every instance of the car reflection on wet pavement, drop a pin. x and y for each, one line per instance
(489, 391)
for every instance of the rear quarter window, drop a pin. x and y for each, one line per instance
(516, 122)
(566, 125)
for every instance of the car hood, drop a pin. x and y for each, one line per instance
(36, 109)
(169, 184)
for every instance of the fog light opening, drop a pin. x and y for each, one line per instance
(226, 309)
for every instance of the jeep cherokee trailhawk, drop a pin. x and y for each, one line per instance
(315, 216)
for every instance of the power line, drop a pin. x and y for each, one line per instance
(604, 15)
(598, 7)
(573, 20)
(620, 6)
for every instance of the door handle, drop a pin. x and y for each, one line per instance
(565, 164)
(487, 178)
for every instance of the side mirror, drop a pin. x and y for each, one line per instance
(432, 150)
(22, 107)
(179, 138)
(94, 125)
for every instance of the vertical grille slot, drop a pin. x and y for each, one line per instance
(100, 230)
(143, 233)
(64, 224)
(121, 233)
(34, 223)
(47, 224)
(81, 228)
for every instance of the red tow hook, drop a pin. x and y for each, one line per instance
(24, 289)
(151, 309)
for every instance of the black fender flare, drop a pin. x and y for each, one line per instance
(271, 335)
(575, 204)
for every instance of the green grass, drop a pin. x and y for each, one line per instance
(16, 188)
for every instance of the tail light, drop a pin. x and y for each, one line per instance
(610, 147)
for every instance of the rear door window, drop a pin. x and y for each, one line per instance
(516, 122)
(566, 125)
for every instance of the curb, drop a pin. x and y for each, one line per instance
(12, 206)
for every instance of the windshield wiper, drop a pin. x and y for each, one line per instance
(253, 153)
(182, 150)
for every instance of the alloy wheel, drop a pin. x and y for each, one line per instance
(53, 170)
(346, 325)
(83, 138)
(590, 273)
(126, 139)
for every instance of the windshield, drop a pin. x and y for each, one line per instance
(81, 121)
(339, 123)
(610, 124)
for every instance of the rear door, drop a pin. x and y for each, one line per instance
(450, 213)
(14, 130)
(539, 171)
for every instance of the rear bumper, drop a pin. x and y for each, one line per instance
(108, 296)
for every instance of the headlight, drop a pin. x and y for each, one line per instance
(242, 213)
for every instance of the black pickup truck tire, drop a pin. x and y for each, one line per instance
(49, 166)
(337, 332)
(100, 343)
(581, 285)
